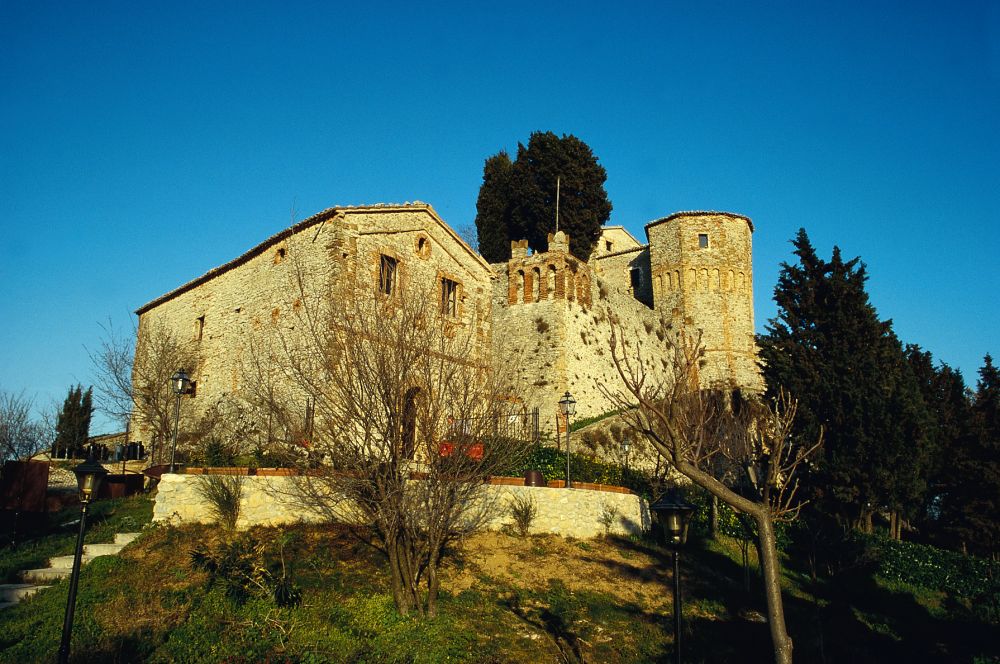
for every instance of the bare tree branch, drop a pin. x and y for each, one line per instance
(736, 447)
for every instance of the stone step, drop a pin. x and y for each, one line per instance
(15, 592)
(94, 550)
(66, 562)
(126, 538)
(46, 574)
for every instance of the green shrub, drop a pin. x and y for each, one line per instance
(576, 425)
(930, 567)
(217, 455)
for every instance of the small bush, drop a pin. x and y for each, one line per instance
(523, 510)
(930, 567)
(223, 494)
(217, 455)
(609, 514)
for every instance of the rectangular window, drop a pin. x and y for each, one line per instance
(703, 240)
(387, 274)
(199, 328)
(449, 297)
(608, 245)
(635, 279)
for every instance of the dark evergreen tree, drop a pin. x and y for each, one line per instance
(521, 197)
(493, 209)
(73, 421)
(974, 504)
(948, 402)
(828, 348)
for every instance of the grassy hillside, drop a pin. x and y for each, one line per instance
(506, 599)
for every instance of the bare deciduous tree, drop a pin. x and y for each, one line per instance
(391, 408)
(132, 378)
(112, 367)
(21, 435)
(738, 449)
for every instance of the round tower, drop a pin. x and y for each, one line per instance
(703, 279)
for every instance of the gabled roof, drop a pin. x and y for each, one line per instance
(623, 230)
(317, 218)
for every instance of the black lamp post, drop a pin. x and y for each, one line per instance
(567, 406)
(674, 513)
(180, 383)
(89, 475)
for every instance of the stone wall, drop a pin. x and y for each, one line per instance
(541, 318)
(702, 277)
(558, 339)
(268, 291)
(268, 501)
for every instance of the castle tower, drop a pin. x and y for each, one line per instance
(702, 275)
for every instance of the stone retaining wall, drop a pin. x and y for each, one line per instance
(267, 500)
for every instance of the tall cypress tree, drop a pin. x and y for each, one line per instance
(518, 200)
(73, 421)
(948, 402)
(493, 209)
(828, 348)
(974, 503)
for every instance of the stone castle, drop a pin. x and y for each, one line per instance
(547, 309)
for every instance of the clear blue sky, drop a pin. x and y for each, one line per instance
(144, 143)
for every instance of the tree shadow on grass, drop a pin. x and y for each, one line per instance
(851, 619)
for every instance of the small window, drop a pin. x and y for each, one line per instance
(703, 240)
(607, 245)
(423, 247)
(279, 255)
(199, 328)
(449, 297)
(387, 274)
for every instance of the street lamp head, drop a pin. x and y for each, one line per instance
(625, 445)
(567, 405)
(674, 513)
(89, 475)
(180, 382)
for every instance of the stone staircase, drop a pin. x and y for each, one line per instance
(60, 567)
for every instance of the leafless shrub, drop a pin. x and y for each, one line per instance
(523, 510)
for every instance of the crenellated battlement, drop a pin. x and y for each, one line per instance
(552, 275)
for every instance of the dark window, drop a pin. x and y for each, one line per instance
(449, 297)
(608, 244)
(703, 240)
(199, 327)
(387, 274)
(635, 275)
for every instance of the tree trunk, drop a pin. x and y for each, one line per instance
(713, 518)
(865, 521)
(404, 592)
(433, 585)
(772, 590)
